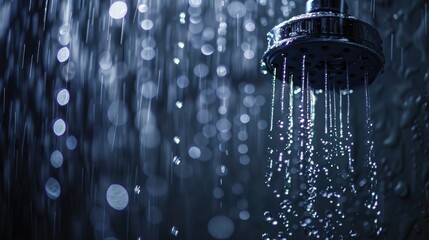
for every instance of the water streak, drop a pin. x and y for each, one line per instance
(282, 103)
(326, 98)
(273, 97)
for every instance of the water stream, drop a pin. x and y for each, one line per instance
(312, 161)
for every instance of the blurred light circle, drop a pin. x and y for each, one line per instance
(71, 143)
(63, 97)
(105, 61)
(262, 124)
(249, 25)
(244, 118)
(64, 29)
(192, 11)
(118, 10)
(236, 9)
(209, 130)
(207, 96)
(117, 113)
(255, 110)
(222, 110)
(56, 159)
(201, 70)
(260, 100)
(223, 92)
(221, 71)
(243, 148)
(204, 116)
(220, 17)
(194, 152)
(223, 125)
(182, 81)
(244, 215)
(253, 5)
(207, 49)
(244, 160)
(146, 24)
(148, 53)
(150, 136)
(144, 74)
(249, 101)
(59, 127)
(117, 197)
(196, 18)
(249, 88)
(245, 46)
(64, 39)
(221, 227)
(218, 193)
(63, 54)
(208, 34)
(52, 188)
(195, 3)
(249, 54)
(242, 203)
(224, 136)
(149, 42)
(142, 7)
(149, 89)
(196, 28)
(242, 135)
(69, 71)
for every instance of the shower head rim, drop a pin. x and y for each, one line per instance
(336, 29)
(277, 54)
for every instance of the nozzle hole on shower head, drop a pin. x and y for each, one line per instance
(339, 59)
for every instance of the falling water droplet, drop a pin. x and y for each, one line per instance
(174, 231)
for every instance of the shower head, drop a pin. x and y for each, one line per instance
(325, 38)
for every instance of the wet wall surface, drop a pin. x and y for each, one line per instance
(151, 120)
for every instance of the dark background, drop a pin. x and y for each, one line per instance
(182, 196)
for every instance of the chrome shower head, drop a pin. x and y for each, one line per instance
(329, 39)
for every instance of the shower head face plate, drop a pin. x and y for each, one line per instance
(340, 42)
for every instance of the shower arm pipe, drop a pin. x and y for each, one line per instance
(337, 6)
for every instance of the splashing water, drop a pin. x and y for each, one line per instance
(314, 181)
